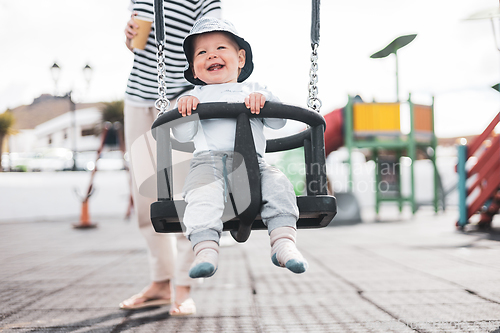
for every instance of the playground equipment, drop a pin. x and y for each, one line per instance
(376, 126)
(316, 208)
(479, 177)
(393, 48)
(479, 162)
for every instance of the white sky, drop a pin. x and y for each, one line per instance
(453, 59)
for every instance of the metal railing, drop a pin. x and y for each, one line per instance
(478, 172)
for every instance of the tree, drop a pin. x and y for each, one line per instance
(6, 123)
(112, 111)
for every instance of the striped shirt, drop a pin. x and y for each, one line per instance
(180, 15)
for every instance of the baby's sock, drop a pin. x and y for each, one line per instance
(205, 262)
(284, 253)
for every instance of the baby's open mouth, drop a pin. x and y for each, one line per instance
(215, 67)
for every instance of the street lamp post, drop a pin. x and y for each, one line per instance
(72, 108)
(55, 70)
(87, 72)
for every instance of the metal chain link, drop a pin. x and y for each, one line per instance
(162, 103)
(313, 101)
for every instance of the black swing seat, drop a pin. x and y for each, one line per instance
(317, 209)
(315, 212)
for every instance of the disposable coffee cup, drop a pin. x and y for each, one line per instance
(140, 40)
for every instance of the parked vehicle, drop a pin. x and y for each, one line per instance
(17, 162)
(61, 159)
(51, 159)
(109, 160)
(5, 162)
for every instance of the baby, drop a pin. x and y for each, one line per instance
(218, 63)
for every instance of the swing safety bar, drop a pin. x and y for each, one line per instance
(317, 209)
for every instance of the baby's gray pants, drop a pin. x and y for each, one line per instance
(204, 193)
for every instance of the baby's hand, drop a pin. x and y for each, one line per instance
(186, 104)
(254, 102)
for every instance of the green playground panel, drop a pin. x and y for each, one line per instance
(377, 126)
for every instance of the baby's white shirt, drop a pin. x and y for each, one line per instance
(219, 134)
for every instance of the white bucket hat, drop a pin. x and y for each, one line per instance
(211, 24)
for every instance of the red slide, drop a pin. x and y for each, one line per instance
(334, 133)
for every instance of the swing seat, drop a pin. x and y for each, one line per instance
(315, 212)
(317, 209)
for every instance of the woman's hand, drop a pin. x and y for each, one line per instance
(186, 104)
(131, 31)
(254, 102)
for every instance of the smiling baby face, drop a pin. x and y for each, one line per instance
(217, 58)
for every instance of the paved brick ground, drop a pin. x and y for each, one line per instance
(414, 275)
(402, 274)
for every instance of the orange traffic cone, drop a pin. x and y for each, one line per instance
(85, 217)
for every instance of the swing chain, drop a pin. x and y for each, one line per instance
(313, 101)
(162, 103)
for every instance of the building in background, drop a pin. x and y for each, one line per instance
(48, 133)
(48, 123)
